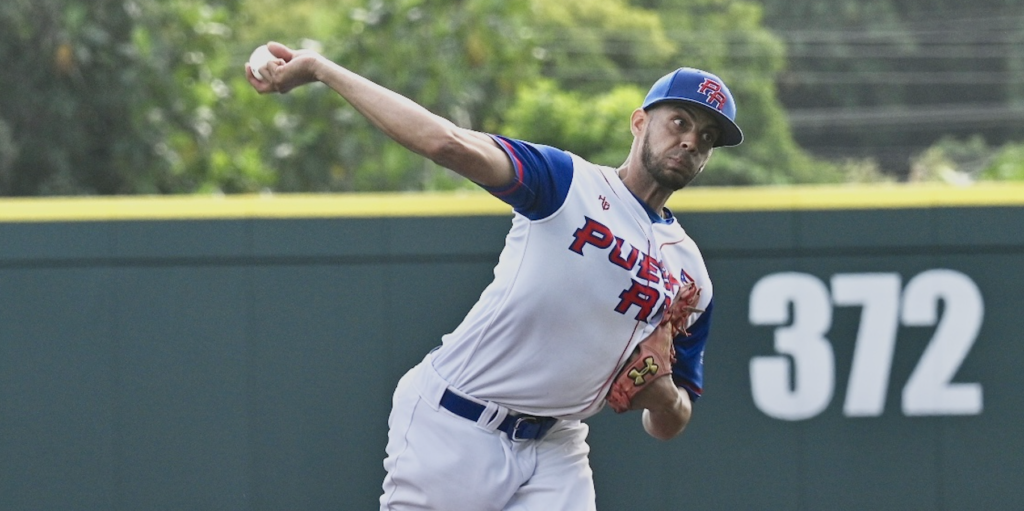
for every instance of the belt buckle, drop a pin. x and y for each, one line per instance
(526, 420)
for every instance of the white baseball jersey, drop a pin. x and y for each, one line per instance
(583, 278)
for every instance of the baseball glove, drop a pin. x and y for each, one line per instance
(654, 356)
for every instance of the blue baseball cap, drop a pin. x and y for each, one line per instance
(691, 85)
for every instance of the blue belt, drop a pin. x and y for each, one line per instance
(517, 427)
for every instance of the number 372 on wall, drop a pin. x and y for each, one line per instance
(799, 381)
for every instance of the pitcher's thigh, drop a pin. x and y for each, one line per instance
(562, 479)
(442, 462)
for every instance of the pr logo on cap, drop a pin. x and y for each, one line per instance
(713, 90)
(691, 85)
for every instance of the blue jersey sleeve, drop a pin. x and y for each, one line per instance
(688, 371)
(543, 176)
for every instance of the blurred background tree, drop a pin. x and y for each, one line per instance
(51, 95)
(106, 97)
(462, 60)
(149, 96)
(599, 51)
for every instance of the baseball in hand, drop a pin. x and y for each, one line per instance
(259, 58)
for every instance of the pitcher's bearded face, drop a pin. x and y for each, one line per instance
(677, 143)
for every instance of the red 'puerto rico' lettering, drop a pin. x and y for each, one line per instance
(592, 232)
(649, 269)
(649, 282)
(615, 256)
(645, 297)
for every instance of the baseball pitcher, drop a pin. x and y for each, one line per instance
(599, 297)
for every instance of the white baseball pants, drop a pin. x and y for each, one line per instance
(439, 461)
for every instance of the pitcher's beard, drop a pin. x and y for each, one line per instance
(673, 180)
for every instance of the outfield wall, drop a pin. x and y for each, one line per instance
(238, 353)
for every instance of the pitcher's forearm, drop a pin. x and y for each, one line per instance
(470, 153)
(397, 116)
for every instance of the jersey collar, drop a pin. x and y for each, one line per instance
(653, 215)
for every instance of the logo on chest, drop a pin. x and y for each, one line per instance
(650, 280)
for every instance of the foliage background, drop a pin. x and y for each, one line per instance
(149, 96)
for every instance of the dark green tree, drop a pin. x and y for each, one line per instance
(67, 124)
(149, 96)
(462, 60)
(107, 97)
(622, 45)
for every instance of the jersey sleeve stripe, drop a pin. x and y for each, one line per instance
(517, 164)
(543, 177)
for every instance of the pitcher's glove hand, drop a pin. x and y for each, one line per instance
(654, 356)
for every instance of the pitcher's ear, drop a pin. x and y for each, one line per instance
(638, 121)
